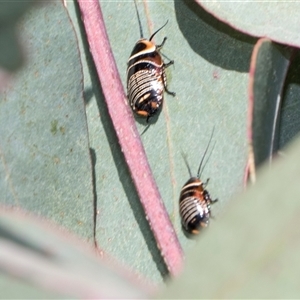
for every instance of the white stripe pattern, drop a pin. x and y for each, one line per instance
(143, 82)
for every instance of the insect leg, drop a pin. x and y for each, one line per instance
(171, 62)
(206, 182)
(214, 201)
(165, 86)
(158, 47)
(169, 92)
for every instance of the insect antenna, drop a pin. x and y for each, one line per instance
(139, 20)
(199, 169)
(186, 163)
(207, 159)
(151, 37)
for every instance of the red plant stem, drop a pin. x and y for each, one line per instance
(129, 139)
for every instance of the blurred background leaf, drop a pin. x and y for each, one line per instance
(10, 50)
(59, 266)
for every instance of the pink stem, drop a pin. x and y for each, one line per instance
(128, 136)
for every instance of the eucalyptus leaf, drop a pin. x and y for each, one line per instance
(252, 250)
(45, 161)
(59, 266)
(210, 78)
(275, 20)
(270, 64)
(46, 165)
(290, 121)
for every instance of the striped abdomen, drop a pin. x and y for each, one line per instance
(146, 79)
(194, 205)
(145, 88)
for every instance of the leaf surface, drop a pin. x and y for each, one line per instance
(269, 67)
(252, 251)
(45, 163)
(210, 79)
(60, 266)
(289, 123)
(275, 20)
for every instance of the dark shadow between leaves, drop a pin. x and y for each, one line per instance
(94, 160)
(213, 40)
(290, 110)
(88, 95)
(123, 172)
